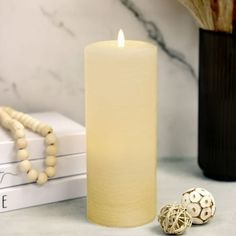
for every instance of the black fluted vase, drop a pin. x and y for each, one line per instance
(217, 105)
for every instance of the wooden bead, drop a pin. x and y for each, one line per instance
(50, 160)
(19, 133)
(17, 125)
(33, 175)
(22, 154)
(21, 143)
(8, 110)
(46, 130)
(51, 150)
(29, 122)
(50, 139)
(1, 114)
(12, 114)
(5, 123)
(23, 118)
(50, 171)
(10, 123)
(18, 115)
(35, 125)
(40, 127)
(42, 178)
(25, 165)
(5, 115)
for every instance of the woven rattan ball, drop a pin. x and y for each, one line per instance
(174, 219)
(200, 204)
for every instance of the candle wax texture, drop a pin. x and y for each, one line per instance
(121, 132)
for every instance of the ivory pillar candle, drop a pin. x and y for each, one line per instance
(121, 132)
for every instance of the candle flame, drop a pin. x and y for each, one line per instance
(121, 39)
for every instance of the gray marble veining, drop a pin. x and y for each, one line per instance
(155, 34)
(42, 50)
(58, 23)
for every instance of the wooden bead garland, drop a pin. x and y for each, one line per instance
(16, 122)
(174, 219)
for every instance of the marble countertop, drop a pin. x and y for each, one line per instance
(175, 175)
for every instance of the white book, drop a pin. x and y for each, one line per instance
(32, 194)
(71, 138)
(10, 175)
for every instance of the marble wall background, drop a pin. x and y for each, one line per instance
(41, 58)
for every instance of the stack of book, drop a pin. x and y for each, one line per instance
(70, 180)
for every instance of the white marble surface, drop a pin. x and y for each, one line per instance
(41, 58)
(174, 177)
